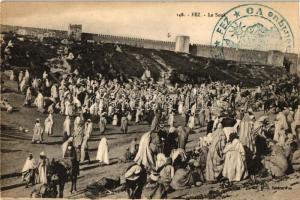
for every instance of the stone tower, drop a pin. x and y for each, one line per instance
(182, 43)
(74, 31)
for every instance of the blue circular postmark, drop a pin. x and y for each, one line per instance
(254, 27)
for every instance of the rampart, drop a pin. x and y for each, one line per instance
(244, 55)
(240, 55)
(136, 42)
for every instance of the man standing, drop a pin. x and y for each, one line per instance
(102, 153)
(102, 123)
(215, 157)
(37, 132)
(42, 169)
(66, 128)
(39, 102)
(124, 124)
(28, 170)
(49, 124)
(88, 128)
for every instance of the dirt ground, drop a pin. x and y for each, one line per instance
(16, 145)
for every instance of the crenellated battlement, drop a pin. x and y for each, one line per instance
(240, 55)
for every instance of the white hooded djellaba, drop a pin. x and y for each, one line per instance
(49, 124)
(102, 153)
(65, 146)
(39, 102)
(67, 126)
(144, 155)
(235, 168)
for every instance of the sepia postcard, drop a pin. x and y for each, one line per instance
(150, 100)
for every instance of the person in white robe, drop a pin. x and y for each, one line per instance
(12, 75)
(208, 114)
(28, 97)
(138, 115)
(66, 128)
(129, 116)
(143, 77)
(51, 108)
(171, 119)
(39, 102)
(215, 157)
(191, 122)
(21, 76)
(94, 109)
(77, 104)
(47, 83)
(180, 107)
(65, 146)
(246, 133)
(28, 170)
(43, 169)
(23, 84)
(115, 120)
(62, 106)
(228, 131)
(147, 73)
(49, 124)
(27, 74)
(77, 123)
(88, 128)
(67, 107)
(37, 132)
(235, 168)
(84, 153)
(35, 83)
(144, 155)
(54, 92)
(280, 127)
(45, 75)
(102, 153)
(110, 110)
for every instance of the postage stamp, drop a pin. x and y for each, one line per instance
(252, 26)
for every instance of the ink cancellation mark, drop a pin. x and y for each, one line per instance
(252, 26)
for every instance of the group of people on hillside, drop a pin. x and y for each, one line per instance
(248, 131)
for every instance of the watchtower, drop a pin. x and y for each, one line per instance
(74, 31)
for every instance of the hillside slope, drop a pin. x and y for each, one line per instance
(112, 60)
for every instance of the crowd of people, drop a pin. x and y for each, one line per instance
(249, 132)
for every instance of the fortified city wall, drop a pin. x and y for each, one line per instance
(136, 42)
(240, 55)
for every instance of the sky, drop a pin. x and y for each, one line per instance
(142, 20)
